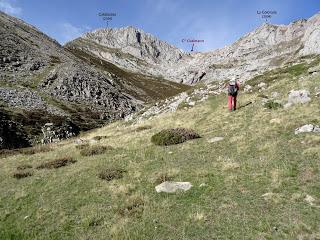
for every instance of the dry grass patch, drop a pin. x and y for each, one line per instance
(57, 163)
(110, 174)
(94, 150)
(23, 174)
(173, 136)
(35, 150)
(143, 128)
(7, 152)
(133, 207)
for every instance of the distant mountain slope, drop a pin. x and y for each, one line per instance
(39, 76)
(267, 47)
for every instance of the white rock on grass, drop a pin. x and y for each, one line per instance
(309, 199)
(171, 187)
(215, 139)
(248, 88)
(308, 128)
(296, 97)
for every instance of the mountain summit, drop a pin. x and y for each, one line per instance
(267, 47)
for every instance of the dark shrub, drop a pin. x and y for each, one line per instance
(23, 167)
(23, 174)
(94, 150)
(111, 173)
(174, 136)
(57, 163)
(163, 178)
(98, 138)
(273, 105)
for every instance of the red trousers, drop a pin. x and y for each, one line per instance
(232, 102)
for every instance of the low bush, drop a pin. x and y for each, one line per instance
(273, 105)
(57, 163)
(23, 167)
(110, 174)
(98, 138)
(173, 136)
(94, 150)
(22, 174)
(143, 128)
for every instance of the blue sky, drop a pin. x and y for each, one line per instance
(218, 23)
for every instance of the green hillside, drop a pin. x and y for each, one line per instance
(260, 182)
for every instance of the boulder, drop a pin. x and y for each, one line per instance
(308, 128)
(298, 97)
(171, 187)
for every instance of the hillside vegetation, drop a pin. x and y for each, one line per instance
(260, 182)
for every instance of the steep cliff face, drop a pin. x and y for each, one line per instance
(31, 60)
(267, 47)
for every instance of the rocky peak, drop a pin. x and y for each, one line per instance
(135, 42)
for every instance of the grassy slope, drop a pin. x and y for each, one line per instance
(256, 157)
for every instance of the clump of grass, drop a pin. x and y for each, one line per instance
(98, 138)
(273, 105)
(174, 136)
(163, 178)
(134, 207)
(35, 149)
(24, 167)
(94, 150)
(82, 146)
(22, 174)
(57, 163)
(263, 96)
(110, 174)
(143, 128)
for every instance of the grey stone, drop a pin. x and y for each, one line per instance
(308, 128)
(298, 97)
(215, 139)
(171, 187)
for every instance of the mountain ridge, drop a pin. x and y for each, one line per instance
(294, 40)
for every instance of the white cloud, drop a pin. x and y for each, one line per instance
(8, 7)
(68, 32)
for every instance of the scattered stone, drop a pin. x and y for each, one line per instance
(247, 88)
(203, 185)
(215, 139)
(296, 97)
(262, 85)
(274, 94)
(55, 133)
(309, 199)
(171, 187)
(308, 128)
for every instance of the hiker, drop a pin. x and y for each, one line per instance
(233, 88)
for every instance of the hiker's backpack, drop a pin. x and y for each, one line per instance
(233, 89)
